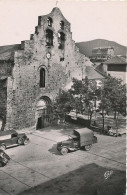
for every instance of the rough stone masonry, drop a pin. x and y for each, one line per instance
(35, 71)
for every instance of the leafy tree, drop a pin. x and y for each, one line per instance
(84, 92)
(79, 97)
(63, 103)
(113, 97)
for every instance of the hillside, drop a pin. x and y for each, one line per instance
(7, 51)
(86, 47)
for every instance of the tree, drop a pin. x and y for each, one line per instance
(78, 89)
(85, 91)
(63, 103)
(79, 97)
(113, 97)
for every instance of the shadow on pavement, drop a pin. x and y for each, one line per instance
(87, 180)
(54, 150)
(65, 128)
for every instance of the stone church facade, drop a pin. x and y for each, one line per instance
(31, 75)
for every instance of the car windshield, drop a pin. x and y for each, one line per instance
(75, 138)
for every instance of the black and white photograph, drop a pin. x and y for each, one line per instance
(63, 67)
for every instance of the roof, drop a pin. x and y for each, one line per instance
(7, 52)
(91, 73)
(86, 135)
(83, 131)
(116, 60)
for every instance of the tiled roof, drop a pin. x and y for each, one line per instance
(100, 68)
(7, 52)
(116, 60)
(91, 73)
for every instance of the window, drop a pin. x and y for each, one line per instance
(13, 135)
(36, 30)
(69, 73)
(61, 59)
(61, 24)
(42, 77)
(61, 40)
(50, 21)
(49, 37)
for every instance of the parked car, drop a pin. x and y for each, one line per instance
(80, 139)
(4, 158)
(77, 118)
(12, 138)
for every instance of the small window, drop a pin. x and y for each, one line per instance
(69, 74)
(42, 77)
(49, 37)
(50, 21)
(62, 25)
(36, 30)
(61, 40)
(61, 59)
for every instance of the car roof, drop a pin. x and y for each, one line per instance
(8, 132)
(86, 135)
(83, 131)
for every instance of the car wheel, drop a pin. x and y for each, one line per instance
(88, 147)
(3, 147)
(64, 151)
(25, 142)
(20, 141)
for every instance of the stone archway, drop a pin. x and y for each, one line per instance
(43, 112)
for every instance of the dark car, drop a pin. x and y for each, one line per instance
(80, 139)
(12, 138)
(4, 158)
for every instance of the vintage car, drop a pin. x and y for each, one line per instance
(4, 158)
(80, 139)
(12, 138)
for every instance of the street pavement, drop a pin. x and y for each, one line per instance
(39, 161)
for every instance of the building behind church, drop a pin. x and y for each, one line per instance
(101, 54)
(31, 73)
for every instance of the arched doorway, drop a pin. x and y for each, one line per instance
(43, 112)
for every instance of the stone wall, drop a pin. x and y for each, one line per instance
(3, 101)
(23, 87)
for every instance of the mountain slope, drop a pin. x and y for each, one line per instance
(7, 51)
(86, 47)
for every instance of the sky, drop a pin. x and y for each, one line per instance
(89, 19)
